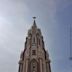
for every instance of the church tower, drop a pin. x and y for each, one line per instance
(34, 58)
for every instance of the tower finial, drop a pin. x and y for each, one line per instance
(34, 23)
(34, 17)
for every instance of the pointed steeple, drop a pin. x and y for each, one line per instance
(34, 23)
(34, 57)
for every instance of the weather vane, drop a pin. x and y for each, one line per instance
(34, 18)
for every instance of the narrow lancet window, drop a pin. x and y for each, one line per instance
(39, 41)
(34, 40)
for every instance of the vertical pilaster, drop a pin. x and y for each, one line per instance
(26, 65)
(20, 67)
(48, 68)
(41, 65)
(44, 66)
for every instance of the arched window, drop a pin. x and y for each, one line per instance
(34, 40)
(38, 39)
(33, 52)
(33, 66)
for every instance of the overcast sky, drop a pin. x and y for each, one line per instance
(53, 18)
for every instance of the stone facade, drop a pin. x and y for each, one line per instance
(34, 58)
